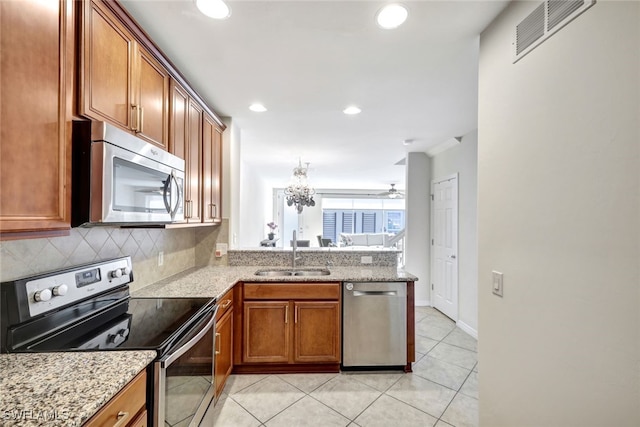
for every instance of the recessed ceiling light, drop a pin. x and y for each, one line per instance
(352, 110)
(407, 141)
(392, 16)
(216, 9)
(257, 107)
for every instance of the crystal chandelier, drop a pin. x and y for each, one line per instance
(298, 192)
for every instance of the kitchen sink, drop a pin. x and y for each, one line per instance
(303, 272)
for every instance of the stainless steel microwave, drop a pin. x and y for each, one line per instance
(119, 179)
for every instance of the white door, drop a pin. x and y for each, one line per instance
(444, 253)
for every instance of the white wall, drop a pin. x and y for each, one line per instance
(417, 243)
(558, 214)
(231, 144)
(463, 160)
(256, 208)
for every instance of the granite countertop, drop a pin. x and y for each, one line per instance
(211, 282)
(63, 389)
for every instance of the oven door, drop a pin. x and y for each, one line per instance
(183, 377)
(136, 188)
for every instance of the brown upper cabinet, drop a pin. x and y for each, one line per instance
(36, 42)
(196, 137)
(186, 143)
(120, 81)
(211, 170)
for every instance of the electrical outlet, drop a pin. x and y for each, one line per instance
(366, 260)
(497, 287)
(160, 258)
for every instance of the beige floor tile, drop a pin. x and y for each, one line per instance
(441, 372)
(463, 412)
(422, 394)
(235, 383)
(227, 413)
(308, 412)
(380, 381)
(441, 423)
(387, 411)
(307, 382)
(455, 355)
(346, 395)
(462, 339)
(433, 331)
(470, 386)
(268, 397)
(424, 344)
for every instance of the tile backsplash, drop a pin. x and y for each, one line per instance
(19, 258)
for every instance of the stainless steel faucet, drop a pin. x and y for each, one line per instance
(295, 249)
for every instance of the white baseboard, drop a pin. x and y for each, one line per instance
(422, 303)
(468, 329)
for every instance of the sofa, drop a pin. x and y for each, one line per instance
(365, 239)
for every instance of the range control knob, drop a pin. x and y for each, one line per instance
(126, 270)
(60, 290)
(117, 273)
(43, 295)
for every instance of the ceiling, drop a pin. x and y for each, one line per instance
(308, 60)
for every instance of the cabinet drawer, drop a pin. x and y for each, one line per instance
(125, 405)
(298, 291)
(225, 303)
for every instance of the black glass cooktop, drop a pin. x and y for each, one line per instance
(133, 323)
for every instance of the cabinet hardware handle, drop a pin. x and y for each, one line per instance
(226, 303)
(141, 120)
(295, 316)
(211, 205)
(218, 345)
(121, 418)
(215, 211)
(286, 314)
(134, 116)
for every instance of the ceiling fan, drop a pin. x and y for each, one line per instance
(392, 193)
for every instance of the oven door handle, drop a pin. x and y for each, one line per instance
(173, 355)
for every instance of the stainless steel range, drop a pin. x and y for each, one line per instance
(88, 307)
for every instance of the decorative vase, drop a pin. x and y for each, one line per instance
(271, 236)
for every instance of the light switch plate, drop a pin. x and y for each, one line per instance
(366, 260)
(497, 286)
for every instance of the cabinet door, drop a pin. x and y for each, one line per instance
(317, 331)
(224, 350)
(266, 331)
(151, 99)
(36, 41)
(108, 55)
(193, 160)
(211, 170)
(178, 108)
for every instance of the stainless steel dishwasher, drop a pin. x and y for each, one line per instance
(374, 325)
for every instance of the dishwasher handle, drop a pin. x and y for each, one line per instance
(374, 293)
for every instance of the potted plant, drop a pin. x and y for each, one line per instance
(272, 226)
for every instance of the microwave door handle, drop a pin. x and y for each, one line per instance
(165, 193)
(174, 211)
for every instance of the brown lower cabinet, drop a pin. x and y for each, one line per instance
(224, 341)
(290, 324)
(127, 408)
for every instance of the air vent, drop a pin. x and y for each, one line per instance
(530, 30)
(546, 19)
